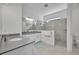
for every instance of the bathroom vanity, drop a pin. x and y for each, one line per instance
(33, 36)
(14, 43)
(11, 44)
(48, 37)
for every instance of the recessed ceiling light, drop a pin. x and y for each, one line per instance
(46, 5)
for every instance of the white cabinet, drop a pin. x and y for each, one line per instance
(11, 18)
(48, 37)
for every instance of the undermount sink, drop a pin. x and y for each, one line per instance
(16, 39)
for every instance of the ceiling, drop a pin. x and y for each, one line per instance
(37, 9)
(34, 10)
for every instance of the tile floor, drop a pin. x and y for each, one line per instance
(42, 48)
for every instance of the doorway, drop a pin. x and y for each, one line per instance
(60, 28)
(61, 32)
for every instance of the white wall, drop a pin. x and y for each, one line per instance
(11, 18)
(0, 20)
(75, 19)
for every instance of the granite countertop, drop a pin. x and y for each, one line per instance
(31, 32)
(11, 45)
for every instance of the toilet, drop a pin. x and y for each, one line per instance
(76, 40)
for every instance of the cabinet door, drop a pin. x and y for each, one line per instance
(12, 18)
(48, 37)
